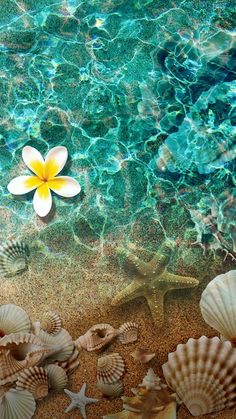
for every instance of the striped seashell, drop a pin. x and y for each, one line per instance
(13, 319)
(61, 345)
(97, 337)
(128, 333)
(17, 404)
(110, 368)
(35, 380)
(111, 390)
(203, 374)
(71, 364)
(57, 377)
(14, 258)
(51, 323)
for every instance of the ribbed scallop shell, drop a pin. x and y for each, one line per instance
(61, 344)
(203, 374)
(97, 337)
(35, 380)
(17, 404)
(128, 333)
(218, 304)
(14, 258)
(70, 365)
(111, 390)
(57, 377)
(13, 319)
(51, 323)
(110, 368)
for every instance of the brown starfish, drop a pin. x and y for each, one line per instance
(153, 281)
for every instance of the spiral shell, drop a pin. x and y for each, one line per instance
(14, 258)
(13, 319)
(35, 380)
(110, 368)
(57, 377)
(111, 390)
(97, 337)
(142, 355)
(218, 306)
(128, 333)
(51, 323)
(203, 374)
(16, 404)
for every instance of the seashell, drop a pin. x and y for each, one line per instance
(70, 365)
(97, 337)
(57, 377)
(61, 344)
(51, 323)
(17, 404)
(35, 380)
(110, 368)
(218, 306)
(14, 258)
(128, 333)
(203, 374)
(13, 319)
(111, 390)
(142, 355)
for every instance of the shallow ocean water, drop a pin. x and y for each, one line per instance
(143, 95)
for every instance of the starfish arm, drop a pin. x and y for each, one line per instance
(134, 290)
(177, 281)
(83, 412)
(140, 266)
(155, 301)
(83, 390)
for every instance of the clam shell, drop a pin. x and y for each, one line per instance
(70, 365)
(218, 305)
(51, 323)
(13, 319)
(111, 390)
(110, 368)
(203, 374)
(14, 258)
(35, 380)
(128, 333)
(57, 377)
(97, 337)
(61, 344)
(17, 404)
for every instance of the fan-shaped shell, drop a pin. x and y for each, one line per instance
(218, 304)
(110, 368)
(57, 377)
(17, 404)
(111, 390)
(14, 258)
(35, 380)
(51, 323)
(203, 374)
(97, 337)
(13, 319)
(70, 365)
(61, 344)
(128, 333)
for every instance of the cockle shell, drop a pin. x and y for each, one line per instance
(51, 323)
(111, 390)
(218, 304)
(128, 333)
(17, 404)
(61, 344)
(110, 368)
(13, 319)
(203, 374)
(57, 377)
(70, 365)
(35, 380)
(97, 337)
(142, 355)
(14, 258)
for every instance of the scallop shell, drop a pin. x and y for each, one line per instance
(142, 355)
(70, 365)
(35, 380)
(218, 306)
(128, 333)
(57, 377)
(111, 390)
(51, 323)
(13, 319)
(17, 404)
(203, 374)
(97, 337)
(110, 368)
(14, 258)
(61, 345)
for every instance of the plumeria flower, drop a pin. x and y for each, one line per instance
(45, 178)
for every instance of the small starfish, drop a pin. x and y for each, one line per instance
(153, 281)
(79, 400)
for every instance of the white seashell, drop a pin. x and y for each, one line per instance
(128, 333)
(218, 304)
(35, 380)
(97, 337)
(61, 344)
(17, 404)
(57, 377)
(14, 258)
(13, 319)
(110, 368)
(203, 374)
(70, 365)
(51, 323)
(142, 355)
(111, 390)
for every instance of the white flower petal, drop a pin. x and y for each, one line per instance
(23, 184)
(55, 161)
(65, 186)
(42, 201)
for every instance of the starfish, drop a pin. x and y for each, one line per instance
(79, 400)
(153, 281)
